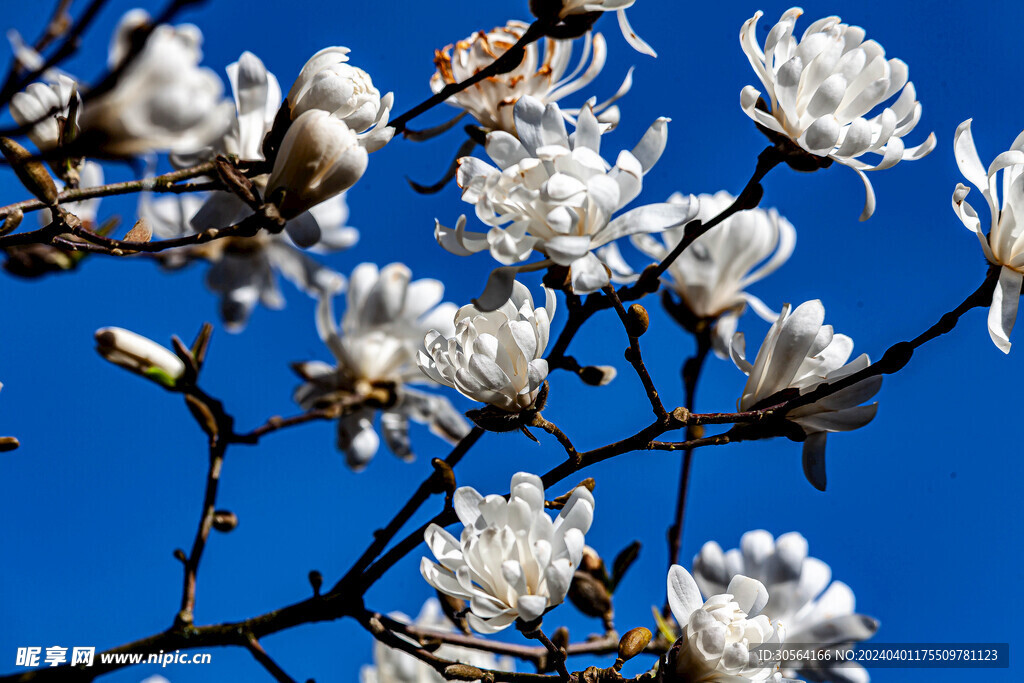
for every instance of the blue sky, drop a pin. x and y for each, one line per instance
(921, 516)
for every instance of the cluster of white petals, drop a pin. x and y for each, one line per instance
(822, 86)
(712, 274)
(163, 99)
(243, 268)
(718, 635)
(512, 560)
(384, 322)
(42, 104)
(571, 7)
(554, 194)
(495, 357)
(1003, 244)
(491, 101)
(800, 352)
(394, 666)
(802, 596)
(140, 355)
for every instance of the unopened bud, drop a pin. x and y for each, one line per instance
(8, 443)
(597, 375)
(140, 232)
(179, 555)
(589, 595)
(444, 477)
(31, 173)
(463, 672)
(224, 521)
(12, 221)
(638, 320)
(633, 643)
(454, 609)
(139, 355)
(591, 562)
(560, 637)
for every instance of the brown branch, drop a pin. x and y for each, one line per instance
(633, 354)
(557, 653)
(261, 656)
(552, 429)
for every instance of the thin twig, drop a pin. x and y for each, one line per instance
(261, 656)
(634, 356)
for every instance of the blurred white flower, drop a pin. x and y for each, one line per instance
(374, 351)
(799, 352)
(813, 610)
(491, 101)
(718, 635)
(556, 195)
(1004, 242)
(139, 355)
(37, 101)
(394, 666)
(163, 100)
(90, 175)
(328, 83)
(712, 274)
(320, 157)
(512, 561)
(495, 357)
(570, 7)
(821, 88)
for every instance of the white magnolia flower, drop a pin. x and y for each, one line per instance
(243, 269)
(394, 666)
(718, 635)
(571, 7)
(1004, 242)
(36, 103)
(813, 610)
(712, 274)
(163, 99)
(512, 560)
(328, 83)
(491, 101)
(555, 195)
(801, 353)
(821, 88)
(495, 357)
(139, 355)
(374, 351)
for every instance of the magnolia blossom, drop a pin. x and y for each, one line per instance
(492, 100)
(495, 357)
(821, 88)
(328, 83)
(801, 353)
(139, 355)
(801, 596)
(571, 7)
(163, 100)
(394, 666)
(712, 274)
(512, 560)
(555, 195)
(718, 635)
(374, 351)
(1004, 242)
(35, 105)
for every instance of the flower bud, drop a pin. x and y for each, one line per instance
(344, 91)
(139, 355)
(463, 672)
(589, 595)
(316, 581)
(597, 375)
(320, 157)
(633, 643)
(638, 319)
(31, 173)
(8, 443)
(224, 521)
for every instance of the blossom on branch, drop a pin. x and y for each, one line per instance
(139, 355)
(512, 560)
(394, 666)
(384, 322)
(820, 89)
(555, 195)
(1003, 243)
(718, 634)
(800, 353)
(163, 99)
(35, 104)
(491, 101)
(802, 595)
(711, 275)
(494, 357)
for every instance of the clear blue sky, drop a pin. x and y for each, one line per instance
(921, 517)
